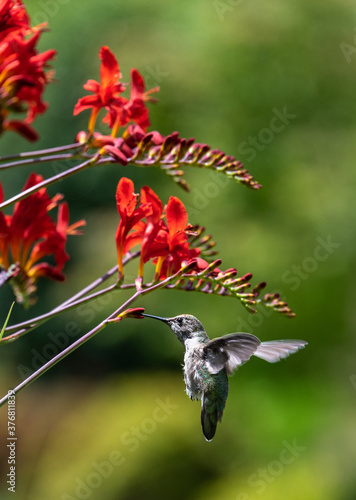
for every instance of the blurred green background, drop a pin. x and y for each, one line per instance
(112, 420)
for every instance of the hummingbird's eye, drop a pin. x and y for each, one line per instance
(179, 321)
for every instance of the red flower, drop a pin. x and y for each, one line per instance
(147, 232)
(29, 235)
(132, 312)
(22, 69)
(165, 243)
(107, 94)
(131, 216)
(170, 249)
(13, 18)
(135, 109)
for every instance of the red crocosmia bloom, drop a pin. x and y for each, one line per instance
(22, 69)
(166, 243)
(13, 17)
(136, 108)
(171, 247)
(30, 235)
(133, 109)
(131, 216)
(107, 94)
(132, 312)
(146, 233)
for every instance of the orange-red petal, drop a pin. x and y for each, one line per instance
(126, 199)
(109, 70)
(176, 215)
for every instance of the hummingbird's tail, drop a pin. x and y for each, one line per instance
(211, 412)
(278, 349)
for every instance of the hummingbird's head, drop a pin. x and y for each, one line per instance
(184, 326)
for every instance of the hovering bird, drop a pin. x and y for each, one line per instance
(208, 362)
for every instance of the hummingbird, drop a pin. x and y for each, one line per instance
(207, 363)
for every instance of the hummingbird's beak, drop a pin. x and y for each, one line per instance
(155, 317)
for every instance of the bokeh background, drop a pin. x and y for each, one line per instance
(112, 420)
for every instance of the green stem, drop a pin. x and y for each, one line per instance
(42, 159)
(28, 326)
(69, 349)
(75, 300)
(41, 152)
(49, 181)
(64, 306)
(89, 335)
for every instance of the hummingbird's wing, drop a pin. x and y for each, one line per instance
(231, 351)
(275, 350)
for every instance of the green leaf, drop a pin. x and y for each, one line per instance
(6, 321)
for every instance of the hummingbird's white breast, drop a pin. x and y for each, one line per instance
(193, 368)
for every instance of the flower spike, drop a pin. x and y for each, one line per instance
(171, 153)
(210, 279)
